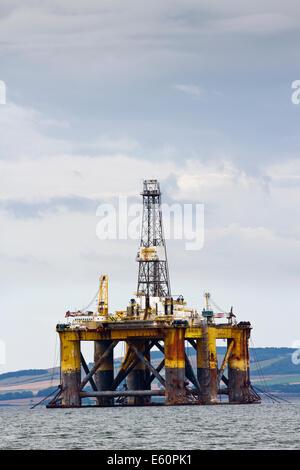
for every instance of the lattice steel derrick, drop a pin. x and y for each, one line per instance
(153, 278)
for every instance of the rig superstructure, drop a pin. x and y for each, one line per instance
(153, 318)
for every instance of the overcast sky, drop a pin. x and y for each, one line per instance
(102, 94)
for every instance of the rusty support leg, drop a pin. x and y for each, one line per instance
(207, 366)
(175, 366)
(104, 376)
(70, 371)
(238, 368)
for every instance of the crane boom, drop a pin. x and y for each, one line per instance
(103, 295)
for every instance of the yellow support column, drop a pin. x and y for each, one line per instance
(207, 365)
(175, 366)
(70, 371)
(238, 367)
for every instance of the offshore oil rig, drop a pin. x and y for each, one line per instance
(153, 318)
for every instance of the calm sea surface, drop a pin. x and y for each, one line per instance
(265, 426)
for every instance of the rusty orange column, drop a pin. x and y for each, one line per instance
(207, 365)
(175, 366)
(70, 371)
(238, 367)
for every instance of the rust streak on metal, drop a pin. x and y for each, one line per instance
(224, 363)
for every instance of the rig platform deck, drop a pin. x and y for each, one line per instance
(139, 373)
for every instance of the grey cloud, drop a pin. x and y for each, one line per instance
(109, 68)
(114, 26)
(190, 89)
(33, 210)
(23, 133)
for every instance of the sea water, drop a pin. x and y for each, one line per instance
(262, 426)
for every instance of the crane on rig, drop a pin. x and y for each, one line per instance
(103, 295)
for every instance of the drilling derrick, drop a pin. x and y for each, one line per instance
(153, 277)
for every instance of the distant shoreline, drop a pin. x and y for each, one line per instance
(271, 370)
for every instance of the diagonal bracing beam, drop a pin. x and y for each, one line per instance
(225, 380)
(191, 375)
(193, 343)
(127, 365)
(159, 346)
(147, 363)
(158, 369)
(97, 364)
(86, 370)
(56, 398)
(125, 370)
